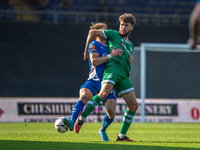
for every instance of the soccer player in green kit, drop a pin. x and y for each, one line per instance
(116, 73)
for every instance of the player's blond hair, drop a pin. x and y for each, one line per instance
(98, 25)
(127, 18)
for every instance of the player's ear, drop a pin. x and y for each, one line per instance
(132, 27)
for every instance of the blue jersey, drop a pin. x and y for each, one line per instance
(198, 1)
(96, 72)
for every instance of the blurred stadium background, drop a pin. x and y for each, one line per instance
(41, 56)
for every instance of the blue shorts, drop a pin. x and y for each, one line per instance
(95, 87)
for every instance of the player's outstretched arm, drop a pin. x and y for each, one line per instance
(96, 60)
(91, 37)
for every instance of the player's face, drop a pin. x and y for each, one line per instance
(125, 29)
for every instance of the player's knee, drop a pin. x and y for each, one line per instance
(103, 95)
(111, 113)
(133, 107)
(84, 98)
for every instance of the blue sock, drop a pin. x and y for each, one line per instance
(106, 122)
(78, 108)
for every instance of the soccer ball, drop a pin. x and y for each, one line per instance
(59, 126)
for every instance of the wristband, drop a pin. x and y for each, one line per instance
(109, 56)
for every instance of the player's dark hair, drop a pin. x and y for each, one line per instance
(127, 18)
(98, 25)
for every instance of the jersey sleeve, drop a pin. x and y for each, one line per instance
(93, 47)
(109, 34)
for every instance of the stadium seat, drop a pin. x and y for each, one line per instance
(48, 16)
(61, 17)
(110, 3)
(9, 16)
(92, 2)
(1, 15)
(70, 18)
(92, 19)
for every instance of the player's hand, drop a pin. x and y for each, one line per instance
(116, 52)
(131, 59)
(85, 55)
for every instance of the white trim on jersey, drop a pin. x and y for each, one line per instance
(93, 74)
(108, 81)
(126, 91)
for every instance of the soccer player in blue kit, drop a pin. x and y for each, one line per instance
(98, 56)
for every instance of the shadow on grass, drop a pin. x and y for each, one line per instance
(171, 142)
(37, 145)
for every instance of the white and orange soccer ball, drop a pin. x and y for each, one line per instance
(59, 126)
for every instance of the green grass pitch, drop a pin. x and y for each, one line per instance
(148, 136)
